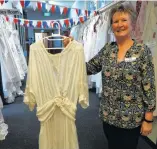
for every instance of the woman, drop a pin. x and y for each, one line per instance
(128, 98)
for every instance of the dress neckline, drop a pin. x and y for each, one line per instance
(66, 49)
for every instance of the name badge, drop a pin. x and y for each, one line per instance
(131, 59)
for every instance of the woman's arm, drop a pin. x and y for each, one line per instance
(95, 64)
(148, 83)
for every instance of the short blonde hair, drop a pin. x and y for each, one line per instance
(124, 9)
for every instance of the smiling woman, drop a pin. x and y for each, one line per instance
(128, 98)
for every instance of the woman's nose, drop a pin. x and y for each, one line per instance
(120, 24)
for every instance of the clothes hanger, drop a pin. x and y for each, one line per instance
(55, 35)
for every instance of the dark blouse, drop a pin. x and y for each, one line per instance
(128, 86)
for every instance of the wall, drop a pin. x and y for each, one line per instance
(38, 15)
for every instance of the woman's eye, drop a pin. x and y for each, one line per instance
(115, 22)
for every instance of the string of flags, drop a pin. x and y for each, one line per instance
(64, 23)
(45, 7)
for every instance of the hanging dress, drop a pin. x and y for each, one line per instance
(55, 84)
(3, 126)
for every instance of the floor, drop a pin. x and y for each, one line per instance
(24, 127)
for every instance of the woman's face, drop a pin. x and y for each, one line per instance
(121, 24)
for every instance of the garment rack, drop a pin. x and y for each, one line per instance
(109, 6)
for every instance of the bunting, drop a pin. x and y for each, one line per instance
(64, 23)
(45, 7)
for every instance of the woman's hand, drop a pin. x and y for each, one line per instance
(146, 128)
(67, 40)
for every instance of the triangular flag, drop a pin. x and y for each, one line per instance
(86, 12)
(39, 6)
(62, 23)
(69, 10)
(27, 3)
(7, 18)
(89, 12)
(44, 7)
(58, 9)
(81, 19)
(76, 20)
(51, 24)
(1, 1)
(22, 22)
(26, 23)
(15, 20)
(78, 12)
(22, 3)
(66, 22)
(11, 19)
(31, 24)
(53, 8)
(65, 10)
(39, 24)
(19, 21)
(34, 23)
(71, 21)
(48, 7)
(48, 23)
(85, 18)
(44, 23)
(34, 5)
(95, 13)
(83, 12)
(61, 10)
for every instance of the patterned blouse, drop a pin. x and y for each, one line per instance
(128, 86)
